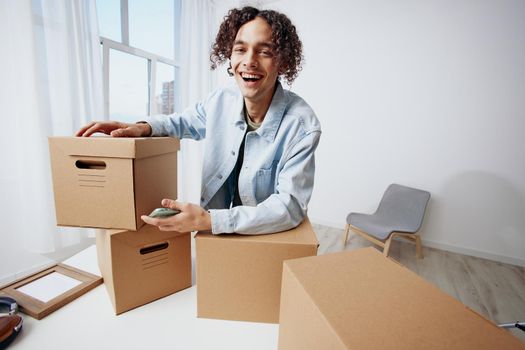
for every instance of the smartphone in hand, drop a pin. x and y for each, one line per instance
(163, 213)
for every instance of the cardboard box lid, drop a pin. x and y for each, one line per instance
(301, 235)
(115, 147)
(373, 302)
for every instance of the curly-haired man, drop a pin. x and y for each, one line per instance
(258, 171)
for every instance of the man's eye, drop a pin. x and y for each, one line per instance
(239, 49)
(267, 53)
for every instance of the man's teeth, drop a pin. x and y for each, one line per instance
(251, 77)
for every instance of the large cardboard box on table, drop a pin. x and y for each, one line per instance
(239, 276)
(362, 300)
(141, 266)
(108, 182)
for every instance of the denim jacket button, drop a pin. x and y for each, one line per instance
(233, 153)
(242, 127)
(219, 176)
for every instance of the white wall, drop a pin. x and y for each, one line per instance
(429, 94)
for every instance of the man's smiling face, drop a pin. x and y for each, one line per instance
(253, 61)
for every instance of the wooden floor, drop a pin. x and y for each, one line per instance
(493, 289)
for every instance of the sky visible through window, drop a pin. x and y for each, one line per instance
(151, 28)
(128, 86)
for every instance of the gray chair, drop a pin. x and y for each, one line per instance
(400, 214)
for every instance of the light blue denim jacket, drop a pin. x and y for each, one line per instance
(277, 175)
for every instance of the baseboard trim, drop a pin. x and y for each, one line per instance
(443, 246)
(340, 225)
(474, 252)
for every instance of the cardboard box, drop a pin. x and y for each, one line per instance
(362, 300)
(141, 266)
(108, 182)
(239, 276)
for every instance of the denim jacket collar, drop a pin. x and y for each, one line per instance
(273, 117)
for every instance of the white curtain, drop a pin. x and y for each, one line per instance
(51, 84)
(197, 31)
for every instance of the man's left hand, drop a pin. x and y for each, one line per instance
(191, 218)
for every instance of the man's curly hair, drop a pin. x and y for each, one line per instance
(286, 44)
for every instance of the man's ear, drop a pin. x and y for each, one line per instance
(281, 70)
(229, 69)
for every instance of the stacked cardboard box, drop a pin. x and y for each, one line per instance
(105, 182)
(109, 182)
(239, 276)
(143, 266)
(362, 300)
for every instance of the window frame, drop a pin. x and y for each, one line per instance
(108, 44)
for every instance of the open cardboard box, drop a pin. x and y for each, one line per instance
(239, 276)
(141, 266)
(362, 300)
(109, 182)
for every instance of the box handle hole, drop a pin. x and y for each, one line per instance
(154, 248)
(90, 164)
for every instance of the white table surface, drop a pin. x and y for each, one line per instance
(89, 322)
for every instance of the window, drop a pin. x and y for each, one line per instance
(128, 86)
(140, 50)
(149, 21)
(108, 13)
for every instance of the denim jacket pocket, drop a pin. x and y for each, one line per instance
(265, 183)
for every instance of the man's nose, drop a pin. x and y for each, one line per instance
(250, 59)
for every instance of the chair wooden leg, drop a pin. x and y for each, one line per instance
(419, 250)
(345, 236)
(386, 249)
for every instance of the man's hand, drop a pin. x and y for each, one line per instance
(115, 129)
(191, 218)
